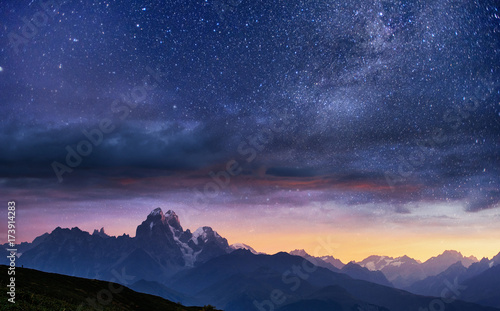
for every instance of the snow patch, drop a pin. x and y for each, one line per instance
(200, 232)
(370, 266)
(156, 211)
(187, 252)
(236, 246)
(396, 263)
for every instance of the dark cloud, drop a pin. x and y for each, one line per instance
(291, 172)
(164, 147)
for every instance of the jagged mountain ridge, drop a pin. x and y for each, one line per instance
(160, 248)
(166, 234)
(352, 269)
(242, 281)
(456, 273)
(236, 246)
(404, 271)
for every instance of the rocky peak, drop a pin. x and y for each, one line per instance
(156, 212)
(170, 218)
(205, 234)
(236, 246)
(299, 252)
(100, 233)
(160, 226)
(496, 259)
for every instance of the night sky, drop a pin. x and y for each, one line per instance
(374, 125)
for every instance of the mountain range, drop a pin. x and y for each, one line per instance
(404, 271)
(479, 282)
(200, 267)
(161, 247)
(352, 269)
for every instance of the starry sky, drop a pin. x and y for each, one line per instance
(372, 125)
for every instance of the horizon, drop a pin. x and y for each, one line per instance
(328, 242)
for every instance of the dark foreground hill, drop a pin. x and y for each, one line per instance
(36, 290)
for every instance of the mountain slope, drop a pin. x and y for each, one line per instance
(157, 289)
(434, 285)
(484, 288)
(478, 274)
(330, 298)
(234, 281)
(361, 273)
(351, 269)
(315, 260)
(333, 261)
(438, 264)
(42, 291)
(401, 271)
(404, 271)
(236, 246)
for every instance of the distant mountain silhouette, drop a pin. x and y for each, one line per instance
(242, 281)
(351, 269)
(484, 288)
(440, 263)
(404, 271)
(434, 285)
(361, 273)
(333, 261)
(479, 283)
(401, 271)
(318, 261)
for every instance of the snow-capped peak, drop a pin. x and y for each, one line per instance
(200, 232)
(169, 218)
(204, 233)
(156, 212)
(236, 246)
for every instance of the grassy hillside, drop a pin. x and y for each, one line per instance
(36, 290)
